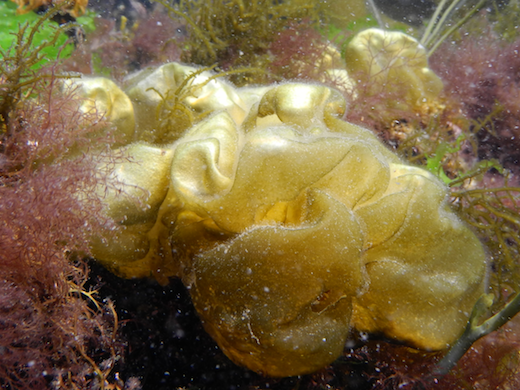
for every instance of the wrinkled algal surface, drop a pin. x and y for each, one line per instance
(289, 225)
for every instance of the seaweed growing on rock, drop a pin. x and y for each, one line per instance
(444, 143)
(237, 34)
(243, 203)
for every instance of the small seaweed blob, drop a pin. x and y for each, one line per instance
(392, 62)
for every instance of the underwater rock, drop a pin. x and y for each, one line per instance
(289, 225)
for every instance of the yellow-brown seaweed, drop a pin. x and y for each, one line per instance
(391, 61)
(289, 225)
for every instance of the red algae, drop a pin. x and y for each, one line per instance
(300, 53)
(154, 38)
(482, 78)
(50, 323)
